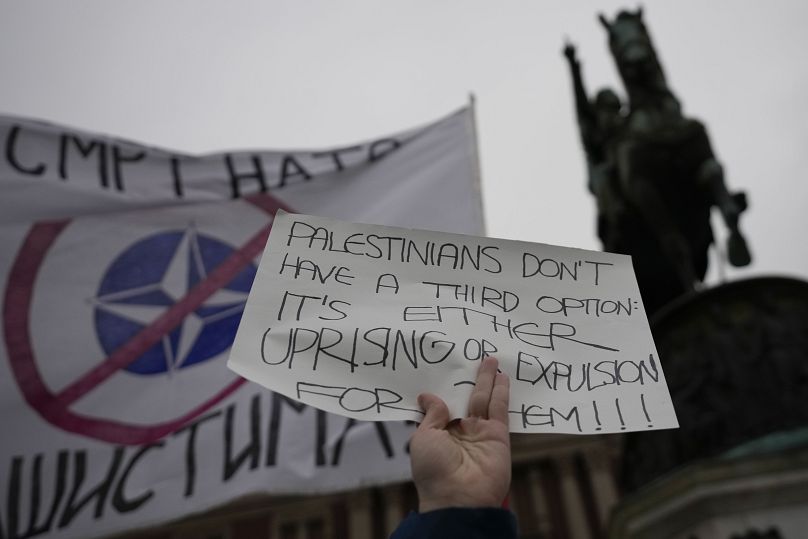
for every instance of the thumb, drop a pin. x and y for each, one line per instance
(435, 410)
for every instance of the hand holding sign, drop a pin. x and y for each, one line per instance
(450, 457)
(361, 319)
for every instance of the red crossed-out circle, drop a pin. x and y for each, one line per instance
(55, 407)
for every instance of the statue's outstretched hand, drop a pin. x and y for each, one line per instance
(466, 462)
(569, 51)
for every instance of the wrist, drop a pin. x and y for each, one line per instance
(434, 503)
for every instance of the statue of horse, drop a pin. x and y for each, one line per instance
(653, 171)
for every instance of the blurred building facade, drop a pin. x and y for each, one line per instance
(563, 487)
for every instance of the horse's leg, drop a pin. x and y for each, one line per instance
(673, 243)
(711, 177)
(646, 199)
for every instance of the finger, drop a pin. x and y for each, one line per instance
(481, 395)
(498, 408)
(435, 410)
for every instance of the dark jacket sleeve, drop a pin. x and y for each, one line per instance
(456, 523)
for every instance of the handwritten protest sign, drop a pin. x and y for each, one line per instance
(360, 319)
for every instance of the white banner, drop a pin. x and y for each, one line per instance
(124, 272)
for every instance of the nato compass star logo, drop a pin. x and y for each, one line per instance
(152, 275)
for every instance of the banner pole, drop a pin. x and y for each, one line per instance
(477, 168)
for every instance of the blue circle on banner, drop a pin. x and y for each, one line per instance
(148, 278)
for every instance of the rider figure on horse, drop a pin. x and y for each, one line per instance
(652, 170)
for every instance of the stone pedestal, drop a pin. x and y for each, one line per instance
(723, 497)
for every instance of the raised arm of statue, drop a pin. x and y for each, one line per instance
(582, 105)
(587, 120)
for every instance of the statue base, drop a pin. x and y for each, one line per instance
(736, 362)
(758, 493)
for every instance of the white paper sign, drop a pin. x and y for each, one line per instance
(359, 319)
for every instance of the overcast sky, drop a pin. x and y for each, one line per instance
(203, 75)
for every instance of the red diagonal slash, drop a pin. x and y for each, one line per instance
(54, 408)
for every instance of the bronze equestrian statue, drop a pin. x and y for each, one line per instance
(652, 171)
